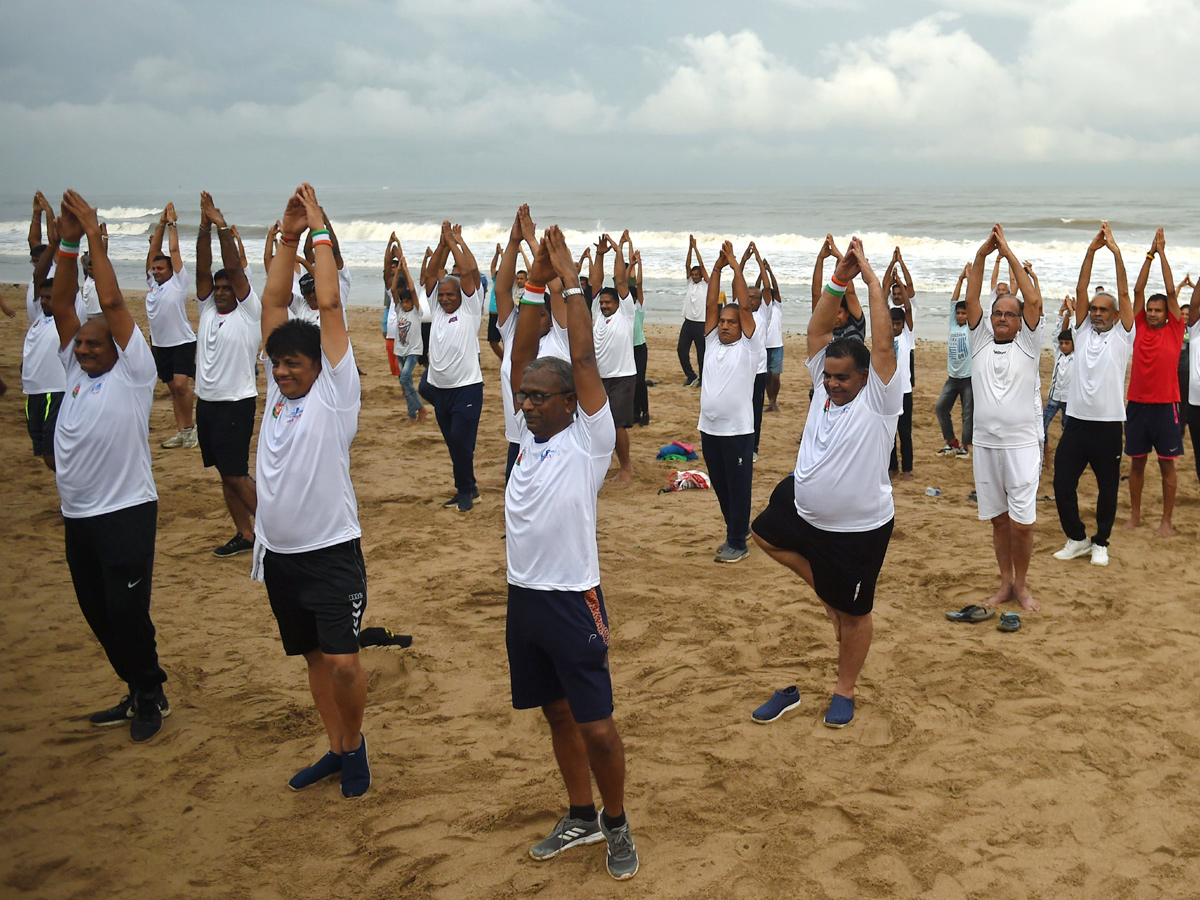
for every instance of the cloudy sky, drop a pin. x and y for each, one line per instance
(524, 93)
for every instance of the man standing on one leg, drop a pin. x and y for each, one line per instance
(1152, 416)
(102, 457)
(171, 335)
(309, 542)
(830, 521)
(557, 627)
(1104, 333)
(692, 331)
(1006, 347)
(958, 378)
(226, 387)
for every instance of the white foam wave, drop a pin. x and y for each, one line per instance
(128, 212)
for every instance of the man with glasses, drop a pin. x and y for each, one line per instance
(557, 627)
(1006, 346)
(1104, 332)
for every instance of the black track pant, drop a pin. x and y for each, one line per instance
(1084, 444)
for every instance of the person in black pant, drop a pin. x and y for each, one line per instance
(692, 331)
(1095, 407)
(641, 354)
(102, 457)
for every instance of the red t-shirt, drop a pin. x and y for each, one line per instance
(1154, 378)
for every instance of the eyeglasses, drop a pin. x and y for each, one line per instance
(1006, 315)
(537, 398)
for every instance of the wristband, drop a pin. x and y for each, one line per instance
(832, 288)
(289, 239)
(317, 242)
(320, 232)
(1150, 255)
(535, 295)
(68, 250)
(170, 224)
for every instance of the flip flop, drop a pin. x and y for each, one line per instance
(971, 613)
(1009, 622)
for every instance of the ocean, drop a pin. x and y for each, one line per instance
(937, 229)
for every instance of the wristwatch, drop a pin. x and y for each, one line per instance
(571, 292)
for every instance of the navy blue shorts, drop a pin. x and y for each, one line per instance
(318, 597)
(558, 647)
(1153, 426)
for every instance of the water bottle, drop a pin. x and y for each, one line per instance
(932, 492)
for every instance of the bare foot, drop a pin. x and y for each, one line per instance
(1001, 596)
(1134, 522)
(1026, 600)
(421, 413)
(623, 478)
(905, 476)
(772, 408)
(1164, 529)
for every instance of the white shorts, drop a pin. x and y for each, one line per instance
(1006, 481)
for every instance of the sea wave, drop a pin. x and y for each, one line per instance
(128, 212)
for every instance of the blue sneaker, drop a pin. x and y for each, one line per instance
(780, 702)
(356, 773)
(841, 711)
(328, 765)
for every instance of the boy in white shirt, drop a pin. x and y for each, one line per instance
(830, 521)
(102, 456)
(171, 335)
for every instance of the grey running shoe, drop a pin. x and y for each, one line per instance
(622, 860)
(175, 440)
(731, 554)
(567, 833)
(191, 440)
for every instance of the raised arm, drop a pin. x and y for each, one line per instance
(883, 360)
(1126, 305)
(712, 300)
(975, 279)
(818, 276)
(1066, 312)
(908, 282)
(269, 247)
(1082, 297)
(104, 234)
(35, 224)
(389, 260)
(824, 316)
(1029, 289)
(241, 247)
(112, 304)
(173, 238)
(334, 340)
(277, 294)
(596, 271)
(231, 259)
(620, 269)
(741, 292)
(496, 262)
(468, 268)
(156, 239)
(204, 279)
(506, 273)
(1168, 281)
(588, 386)
(687, 265)
(436, 262)
(699, 261)
(996, 273)
(776, 297)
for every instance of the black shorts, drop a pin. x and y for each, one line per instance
(177, 360)
(620, 399)
(558, 647)
(1153, 425)
(41, 415)
(224, 428)
(318, 597)
(494, 336)
(845, 564)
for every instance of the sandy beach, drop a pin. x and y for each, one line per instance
(1056, 762)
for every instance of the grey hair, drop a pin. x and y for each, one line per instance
(1115, 303)
(453, 279)
(1020, 302)
(560, 367)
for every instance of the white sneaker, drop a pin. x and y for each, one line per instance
(175, 440)
(1099, 555)
(948, 450)
(1075, 549)
(191, 440)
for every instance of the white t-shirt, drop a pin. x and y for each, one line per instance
(91, 298)
(305, 497)
(1194, 364)
(695, 301)
(903, 345)
(166, 310)
(299, 309)
(1097, 389)
(344, 287)
(1003, 376)
(775, 326)
(227, 348)
(408, 332)
(41, 368)
(613, 339)
(842, 467)
(424, 303)
(762, 318)
(1060, 381)
(102, 439)
(727, 390)
(553, 343)
(392, 305)
(454, 343)
(550, 504)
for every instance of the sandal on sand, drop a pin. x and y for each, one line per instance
(1009, 622)
(971, 613)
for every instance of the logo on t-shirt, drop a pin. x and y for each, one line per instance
(278, 408)
(75, 393)
(545, 454)
(452, 320)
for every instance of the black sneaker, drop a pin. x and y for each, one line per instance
(235, 545)
(147, 717)
(690, 381)
(116, 715)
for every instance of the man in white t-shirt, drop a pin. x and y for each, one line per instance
(102, 456)
(904, 344)
(830, 521)
(691, 333)
(226, 387)
(308, 540)
(171, 335)
(734, 347)
(557, 626)
(453, 381)
(612, 333)
(774, 338)
(1104, 333)
(1006, 347)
